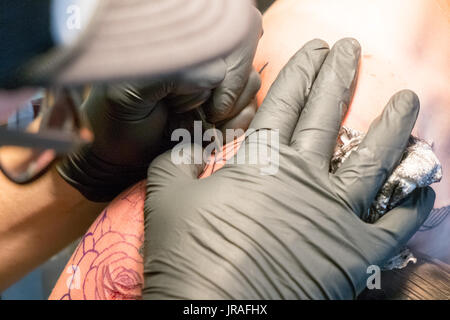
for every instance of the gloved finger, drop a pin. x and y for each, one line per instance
(399, 225)
(185, 103)
(182, 91)
(193, 86)
(182, 163)
(361, 176)
(317, 129)
(241, 121)
(203, 77)
(127, 101)
(248, 94)
(239, 66)
(288, 94)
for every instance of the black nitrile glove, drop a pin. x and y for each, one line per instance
(129, 119)
(295, 234)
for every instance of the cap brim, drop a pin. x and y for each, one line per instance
(144, 38)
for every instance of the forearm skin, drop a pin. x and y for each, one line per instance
(38, 220)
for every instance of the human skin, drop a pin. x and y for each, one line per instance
(107, 264)
(37, 220)
(405, 46)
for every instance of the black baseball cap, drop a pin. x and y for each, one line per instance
(68, 42)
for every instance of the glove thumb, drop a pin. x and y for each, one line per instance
(397, 226)
(183, 164)
(400, 224)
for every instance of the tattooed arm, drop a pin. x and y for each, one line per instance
(107, 264)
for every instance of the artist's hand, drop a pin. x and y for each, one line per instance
(129, 120)
(232, 104)
(296, 233)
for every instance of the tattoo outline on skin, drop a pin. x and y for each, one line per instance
(125, 213)
(109, 262)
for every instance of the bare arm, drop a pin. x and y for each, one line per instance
(38, 220)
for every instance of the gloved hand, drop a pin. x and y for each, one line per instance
(232, 104)
(295, 234)
(129, 120)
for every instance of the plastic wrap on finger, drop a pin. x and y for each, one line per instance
(419, 167)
